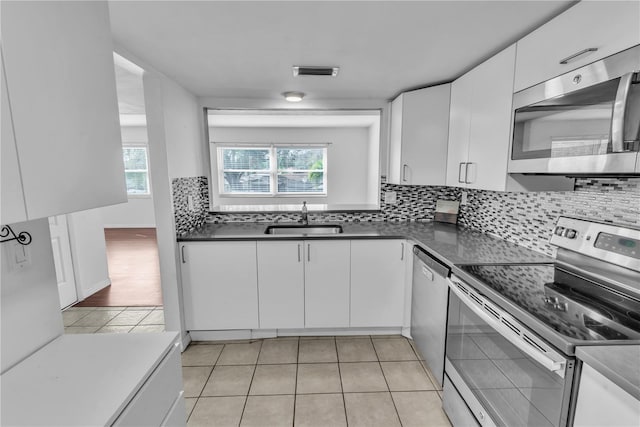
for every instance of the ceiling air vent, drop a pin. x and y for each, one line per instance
(303, 70)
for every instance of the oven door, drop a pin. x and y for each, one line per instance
(506, 375)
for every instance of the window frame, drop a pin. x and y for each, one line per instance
(273, 169)
(145, 147)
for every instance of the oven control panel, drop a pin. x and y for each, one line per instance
(621, 245)
(612, 243)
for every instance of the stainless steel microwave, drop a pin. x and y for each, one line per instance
(584, 122)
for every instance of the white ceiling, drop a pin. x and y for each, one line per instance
(245, 49)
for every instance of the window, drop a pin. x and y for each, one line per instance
(272, 170)
(136, 170)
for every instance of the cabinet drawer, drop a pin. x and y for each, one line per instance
(150, 406)
(608, 26)
(177, 415)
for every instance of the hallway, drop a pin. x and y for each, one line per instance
(132, 256)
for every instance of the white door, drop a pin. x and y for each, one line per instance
(62, 259)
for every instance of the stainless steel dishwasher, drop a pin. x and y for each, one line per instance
(429, 310)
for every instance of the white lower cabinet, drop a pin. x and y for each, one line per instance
(326, 299)
(281, 284)
(603, 403)
(377, 283)
(293, 284)
(220, 285)
(157, 398)
(97, 380)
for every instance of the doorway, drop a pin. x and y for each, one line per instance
(127, 231)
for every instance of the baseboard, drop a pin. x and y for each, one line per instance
(246, 334)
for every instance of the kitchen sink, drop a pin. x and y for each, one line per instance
(302, 230)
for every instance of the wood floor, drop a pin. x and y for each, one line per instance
(132, 256)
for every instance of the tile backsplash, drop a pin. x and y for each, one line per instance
(523, 218)
(186, 217)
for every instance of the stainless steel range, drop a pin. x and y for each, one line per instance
(513, 328)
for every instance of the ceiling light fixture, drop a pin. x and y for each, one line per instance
(293, 96)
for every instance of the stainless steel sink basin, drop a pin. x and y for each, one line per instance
(301, 230)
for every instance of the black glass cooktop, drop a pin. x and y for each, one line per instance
(573, 306)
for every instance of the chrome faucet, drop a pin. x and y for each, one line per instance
(304, 220)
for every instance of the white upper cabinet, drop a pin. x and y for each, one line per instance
(419, 132)
(12, 206)
(58, 59)
(480, 124)
(568, 41)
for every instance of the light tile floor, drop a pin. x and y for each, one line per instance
(366, 381)
(89, 320)
(310, 381)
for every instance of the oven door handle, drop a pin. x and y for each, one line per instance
(558, 367)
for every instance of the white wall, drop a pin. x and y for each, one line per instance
(88, 251)
(314, 104)
(184, 130)
(30, 313)
(347, 161)
(138, 211)
(174, 137)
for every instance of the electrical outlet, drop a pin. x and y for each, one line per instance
(390, 197)
(463, 198)
(190, 203)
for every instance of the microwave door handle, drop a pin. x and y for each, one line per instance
(619, 111)
(556, 367)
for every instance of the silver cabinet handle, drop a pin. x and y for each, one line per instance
(309, 252)
(466, 173)
(182, 254)
(575, 56)
(460, 180)
(299, 253)
(619, 110)
(404, 172)
(401, 251)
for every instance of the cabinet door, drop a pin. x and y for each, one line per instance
(603, 403)
(12, 206)
(377, 282)
(419, 134)
(220, 286)
(490, 128)
(61, 83)
(326, 275)
(459, 123)
(281, 284)
(608, 26)
(395, 142)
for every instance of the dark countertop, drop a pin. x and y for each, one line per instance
(449, 243)
(619, 363)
